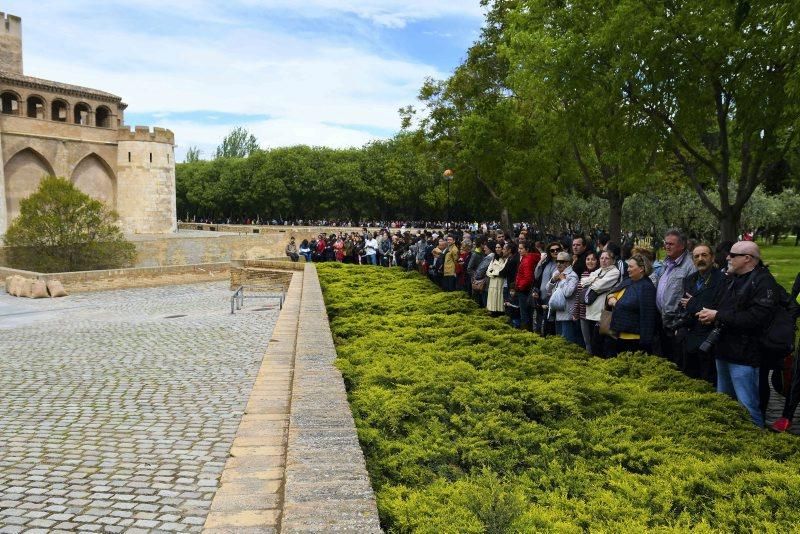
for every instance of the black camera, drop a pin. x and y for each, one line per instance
(711, 340)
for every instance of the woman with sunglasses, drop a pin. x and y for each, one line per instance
(635, 313)
(541, 294)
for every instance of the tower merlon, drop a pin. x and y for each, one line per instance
(12, 24)
(143, 133)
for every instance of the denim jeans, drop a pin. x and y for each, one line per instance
(741, 383)
(372, 259)
(570, 331)
(525, 319)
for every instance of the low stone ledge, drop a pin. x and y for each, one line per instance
(251, 485)
(327, 486)
(101, 280)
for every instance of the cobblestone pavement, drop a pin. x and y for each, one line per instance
(115, 417)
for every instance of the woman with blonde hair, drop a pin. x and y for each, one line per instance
(634, 303)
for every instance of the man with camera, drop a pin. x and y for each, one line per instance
(744, 308)
(700, 289)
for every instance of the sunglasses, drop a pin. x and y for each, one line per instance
(554, 250)
(736, 254)
(562, 261)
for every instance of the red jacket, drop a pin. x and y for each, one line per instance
(524, 280)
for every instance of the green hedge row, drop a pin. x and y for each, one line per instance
(468, 425)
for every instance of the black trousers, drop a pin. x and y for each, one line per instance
(793, 399)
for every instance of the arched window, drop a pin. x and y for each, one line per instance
(82, 112)
(102, 117)
(35, 107)
(59, 111)
(10, 103)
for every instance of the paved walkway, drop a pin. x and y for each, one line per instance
(118, 410)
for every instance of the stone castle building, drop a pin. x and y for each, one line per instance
(52, 128)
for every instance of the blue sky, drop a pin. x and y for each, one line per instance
(318, 72)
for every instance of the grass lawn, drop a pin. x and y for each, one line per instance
(783, 260)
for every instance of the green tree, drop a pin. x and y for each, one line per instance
(192, 155)
(478, 126)
(60, 228)
(238, 144)
(566, 79)
(715, 78)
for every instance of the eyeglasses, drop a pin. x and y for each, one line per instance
(562, 261)
(736, 254)
(554, 250)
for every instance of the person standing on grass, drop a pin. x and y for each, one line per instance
(700, 290)
(635, 315)
(792, 400)
(597, 285)
(494, 298)
(449, 266)
(742, 311)
(669, 290)
(565, 282)
(524, 282)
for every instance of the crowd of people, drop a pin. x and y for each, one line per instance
(331, 223)
(709, 309)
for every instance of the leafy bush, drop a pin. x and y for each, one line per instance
(471, 426)
(60, 228)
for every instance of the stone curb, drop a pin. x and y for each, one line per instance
(251, 486)
(327, 485)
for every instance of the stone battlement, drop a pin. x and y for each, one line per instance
(12, 24)
(143, 133)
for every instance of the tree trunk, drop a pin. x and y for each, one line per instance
(615, 203)
(729, 225)
(505, 219)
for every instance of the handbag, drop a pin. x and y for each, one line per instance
(479, 285)
(590, 296)
(558, 301)
(604, 324)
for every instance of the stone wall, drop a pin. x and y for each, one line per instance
(82, 281)
(178, 250)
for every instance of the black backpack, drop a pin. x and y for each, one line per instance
(777, 340)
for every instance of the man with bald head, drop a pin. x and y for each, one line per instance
(743, 310)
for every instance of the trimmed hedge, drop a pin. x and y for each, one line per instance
(468, 425)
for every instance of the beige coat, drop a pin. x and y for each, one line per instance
(494, 298)
(599, 281)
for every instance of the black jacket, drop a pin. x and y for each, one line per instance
(703, 296)
(636, 311)
(745, 307)
(796, 287)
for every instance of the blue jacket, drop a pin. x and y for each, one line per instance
(636, 311)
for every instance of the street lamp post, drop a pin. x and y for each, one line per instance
(448, 177)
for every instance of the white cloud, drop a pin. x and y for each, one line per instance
(304, 81)
(389, 13)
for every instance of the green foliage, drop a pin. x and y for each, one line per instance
(60, 229)
(722, 113)
(238, 144)
(471, 426)
(192, 155)
(383, 179)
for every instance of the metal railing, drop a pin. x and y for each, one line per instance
(237, 299)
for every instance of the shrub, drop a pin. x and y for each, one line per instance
(60, 228)
(468, 425)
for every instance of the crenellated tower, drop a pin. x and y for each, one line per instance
(146, 180)
(79, 133)
(10, 43)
